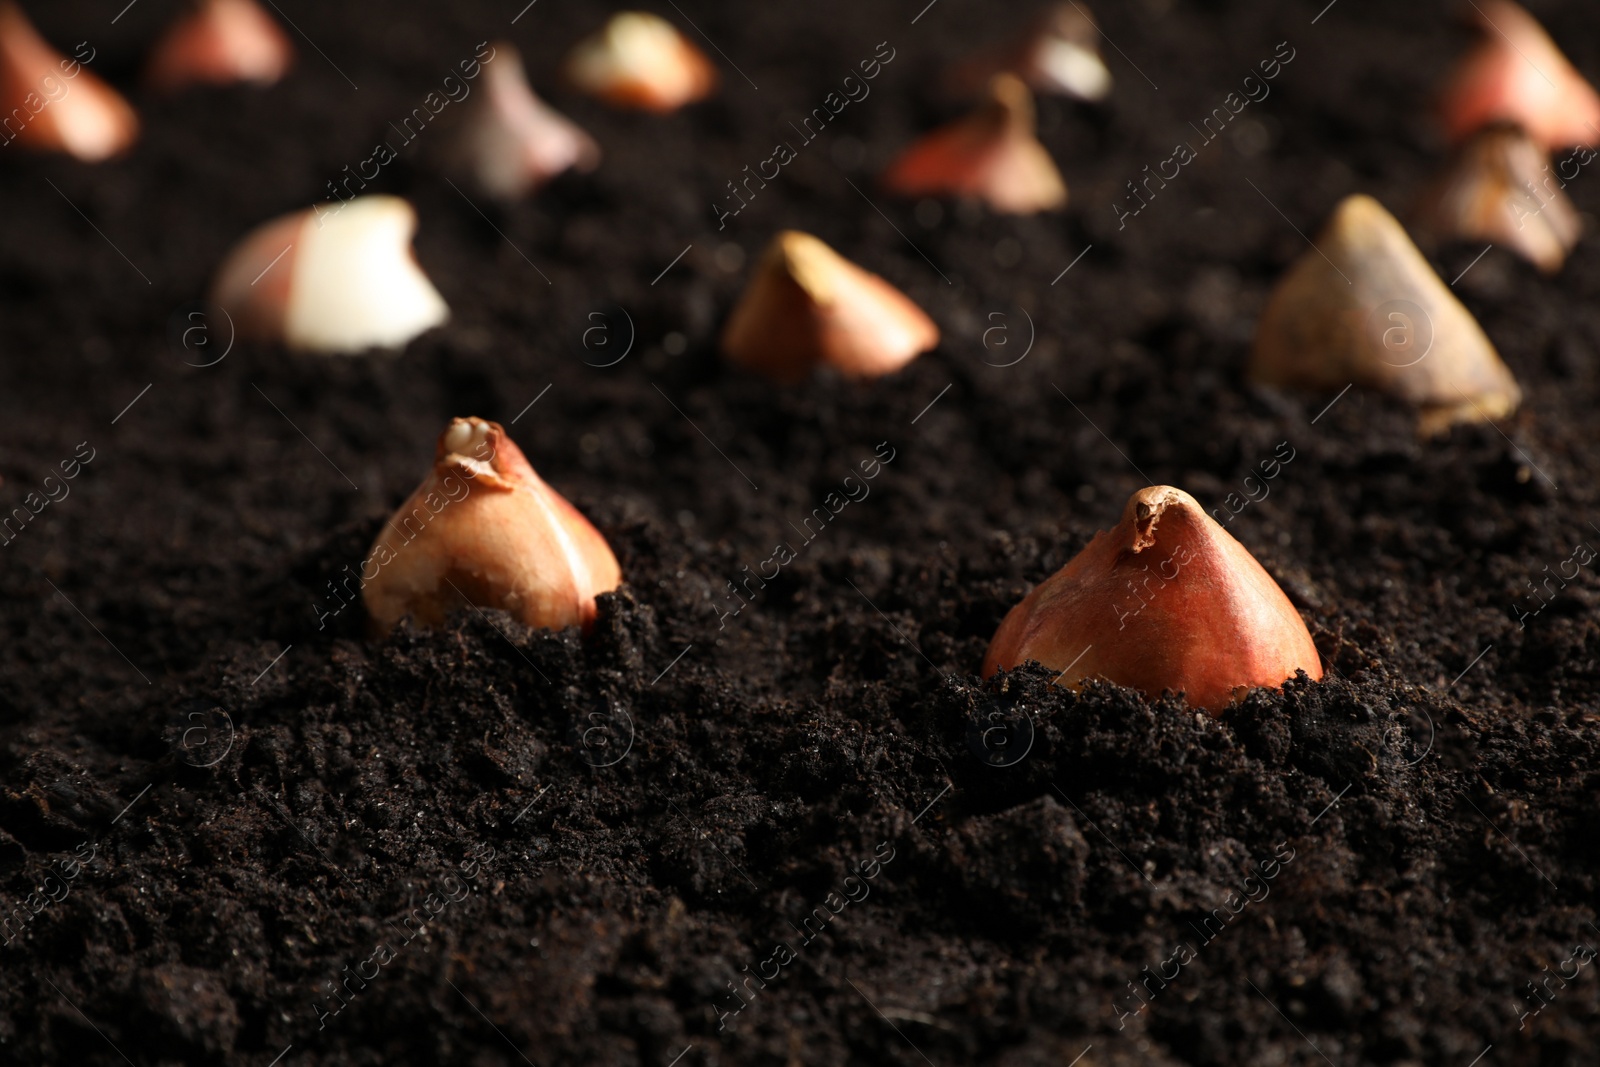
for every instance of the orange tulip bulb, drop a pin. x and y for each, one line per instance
(221, 42)
(1517, 74)
(484, 530)
(1166, 599)
(60, 105)
(807, 306)
(990, 155)
(639, 60)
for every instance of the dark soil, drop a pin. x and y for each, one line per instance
(1423, 821)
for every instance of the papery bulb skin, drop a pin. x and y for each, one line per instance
(1164, 600)
(220, 42)
(990, 155)
(1499, 187)
(67, 108)
(484, 530)
(807, 306)
(1516, 74)
(638, 60)
(510, 143)
(334, 279)
(1058, 54)
(1364, 307)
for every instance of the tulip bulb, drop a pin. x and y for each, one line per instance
(1166, 599)
(60, 105)
(1517, 74)
(1499, 188)
(483, 526)
(990, 155)
(1364, 307)
(1059, 55)
(331, 279)
(642, 61)
(807, 305)
(221, 42)
(510, 142)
